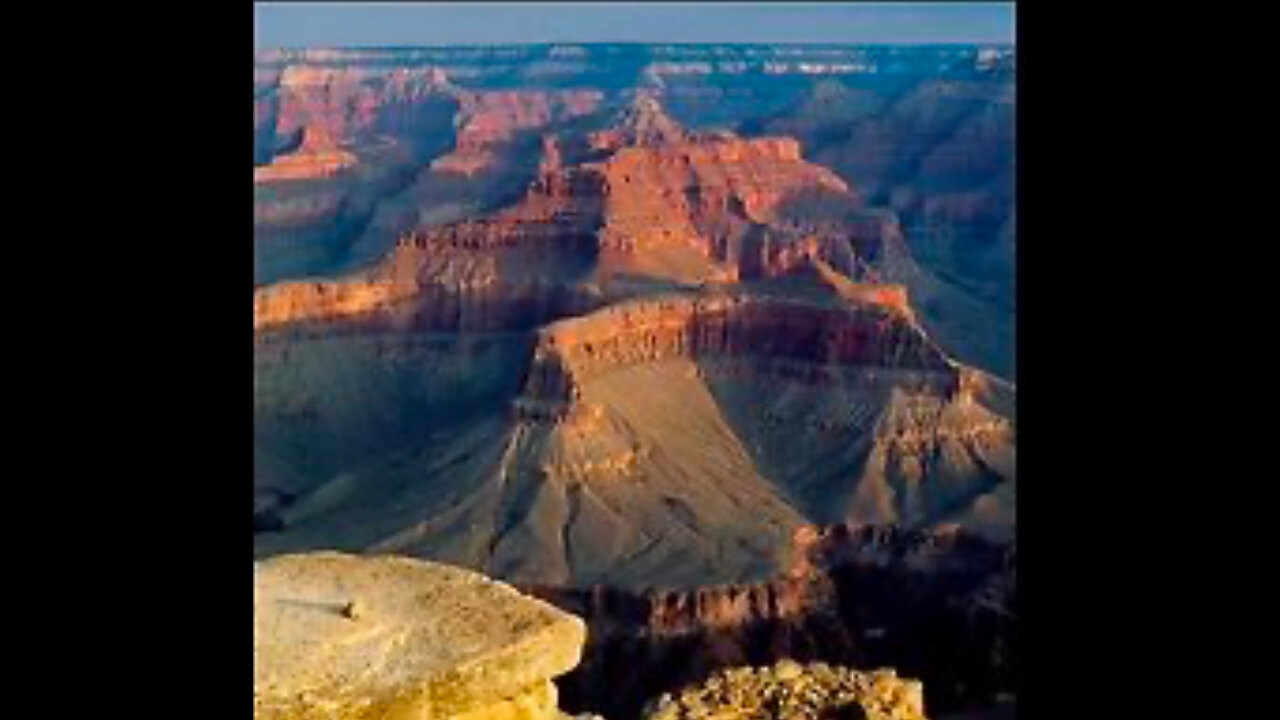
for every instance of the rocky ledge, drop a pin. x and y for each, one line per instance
(339, 637)
(868, 334)
(790, 691)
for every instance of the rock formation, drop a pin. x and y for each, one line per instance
(671, 259)
(487, 120)
(941, 155)
(337, 637)
(571, 352)
(927, 132)
(598, 220)
(348, 102)
(790, 691)
(642, 122)
(503, 271)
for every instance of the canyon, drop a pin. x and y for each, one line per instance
(618, 281)
(658, 334)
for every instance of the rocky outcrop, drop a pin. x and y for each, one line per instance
(464, 296)
(294, 302)
(753, 208)
(939, 605)
(337, 637)
(642, 122)
(804, 338)
(562, 207)
(705, 193)
(790, 691)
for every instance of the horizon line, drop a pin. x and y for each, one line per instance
(644, 43)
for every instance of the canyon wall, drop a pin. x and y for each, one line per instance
(937, 605)
(571, 352)
(486, 120)
(702, 193)
(504, 271)
(378, 302)
(350, 102)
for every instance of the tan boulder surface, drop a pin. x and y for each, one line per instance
(791, 691)
(347, 637)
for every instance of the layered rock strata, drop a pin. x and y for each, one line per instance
(496, 272)
(718, 197)
(804, 338)
(705, 191)
(486, 120)
(351, 101)
(339, 637)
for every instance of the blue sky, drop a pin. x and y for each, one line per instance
(372, 24)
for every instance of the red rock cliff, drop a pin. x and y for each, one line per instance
(703, 191)
(570, 352)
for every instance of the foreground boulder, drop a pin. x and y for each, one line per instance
(340, 637)
(790, 691)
